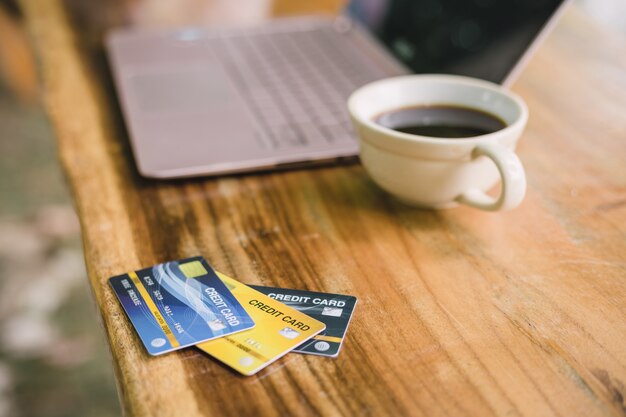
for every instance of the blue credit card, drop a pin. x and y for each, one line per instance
(178, 304)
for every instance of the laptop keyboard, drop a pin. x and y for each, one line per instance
(296, 83)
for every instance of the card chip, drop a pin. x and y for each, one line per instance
(229, 285)
(193, 269)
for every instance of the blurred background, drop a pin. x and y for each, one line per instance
(53, 355)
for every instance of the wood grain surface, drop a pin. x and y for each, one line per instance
(461, 312)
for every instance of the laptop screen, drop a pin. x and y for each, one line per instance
(478, 38)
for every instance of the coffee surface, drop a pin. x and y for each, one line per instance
(441, 121)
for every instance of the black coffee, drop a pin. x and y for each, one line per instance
(441, 121)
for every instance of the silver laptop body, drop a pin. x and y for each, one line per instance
(208, 101)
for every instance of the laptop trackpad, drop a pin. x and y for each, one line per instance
(188, 117)
(181, 91)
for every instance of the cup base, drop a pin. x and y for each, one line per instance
(427, 206)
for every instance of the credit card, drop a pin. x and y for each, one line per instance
(278, 330)
(334, 310)
(178, 304)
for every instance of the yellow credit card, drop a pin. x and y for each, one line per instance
(279, 329)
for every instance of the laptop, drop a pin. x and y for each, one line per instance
(217, 100)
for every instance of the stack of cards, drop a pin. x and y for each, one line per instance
(184, 303)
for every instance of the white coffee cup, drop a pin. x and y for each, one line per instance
(438, 172)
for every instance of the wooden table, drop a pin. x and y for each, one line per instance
(461, 312)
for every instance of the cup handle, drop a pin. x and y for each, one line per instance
(512, 176)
